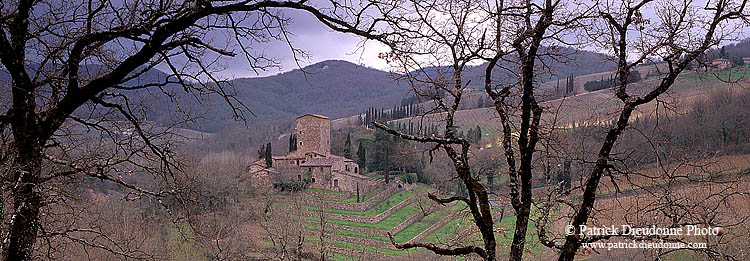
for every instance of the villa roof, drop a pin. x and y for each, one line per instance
(340, 158)
(355, 175)
(272, 171)
(316, 162)
(314, 115)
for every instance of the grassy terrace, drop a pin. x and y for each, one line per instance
(455, 226)
(347, 233)
(367, 249)
(386, 224)
(324, 191)
(449, 230)
(371, 212)
(417, 227)
(353, 197)
(733, 74)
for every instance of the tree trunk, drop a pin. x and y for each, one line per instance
(24, 222)
(28, 146)
(519, 236)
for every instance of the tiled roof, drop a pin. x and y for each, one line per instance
(352, 174)
(314, 162)
(265, 170)
(314, 115)
(340, 158)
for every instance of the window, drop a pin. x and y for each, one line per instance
(355, 169)
(336, 183)
(309, 169)
(313, 180)
(347, 168)
(300, 143)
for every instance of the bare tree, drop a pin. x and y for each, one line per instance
(424, 38)
(436, 40)
(434, 46)
(680, 34)
(288, 240)
(77, 70)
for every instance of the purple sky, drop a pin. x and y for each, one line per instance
(318, 41)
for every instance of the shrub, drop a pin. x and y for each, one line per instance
(409, 178)
(296, 186)
(596, 85)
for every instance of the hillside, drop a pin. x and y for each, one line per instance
(333, 88)
(339, 88)
(582, 108)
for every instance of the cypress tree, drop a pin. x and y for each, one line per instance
(478, 135)
(361, 156)
(262, 151)
(269, 161)
(348, 146)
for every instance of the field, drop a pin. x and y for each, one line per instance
(634, 193)
(590, 108)
(353, 234)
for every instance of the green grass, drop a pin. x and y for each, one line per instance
(449, 230)
(181, 244)
(360, 247)
(353, 197)
(325, 191)
(371, 212)
(417, 227)
(386, 224)
(736, 73)
(348, 233)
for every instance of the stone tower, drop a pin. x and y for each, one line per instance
(314, 134)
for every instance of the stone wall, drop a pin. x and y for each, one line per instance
(261, 179)
(473, 227)
(321, 177)
(406, 223)
(362, 206)
(360, 219)
(313, 134)
(318, 194)
(349, 183)
(437, 225)
(362, 241)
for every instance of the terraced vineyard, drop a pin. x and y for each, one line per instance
(360, 230)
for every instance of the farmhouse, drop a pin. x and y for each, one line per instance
(312, 161)
(721, 64)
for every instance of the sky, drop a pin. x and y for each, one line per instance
(320, 43)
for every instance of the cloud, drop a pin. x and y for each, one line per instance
(317, 40)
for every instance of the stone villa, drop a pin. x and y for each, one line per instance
(721, 64)
(312, 160)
